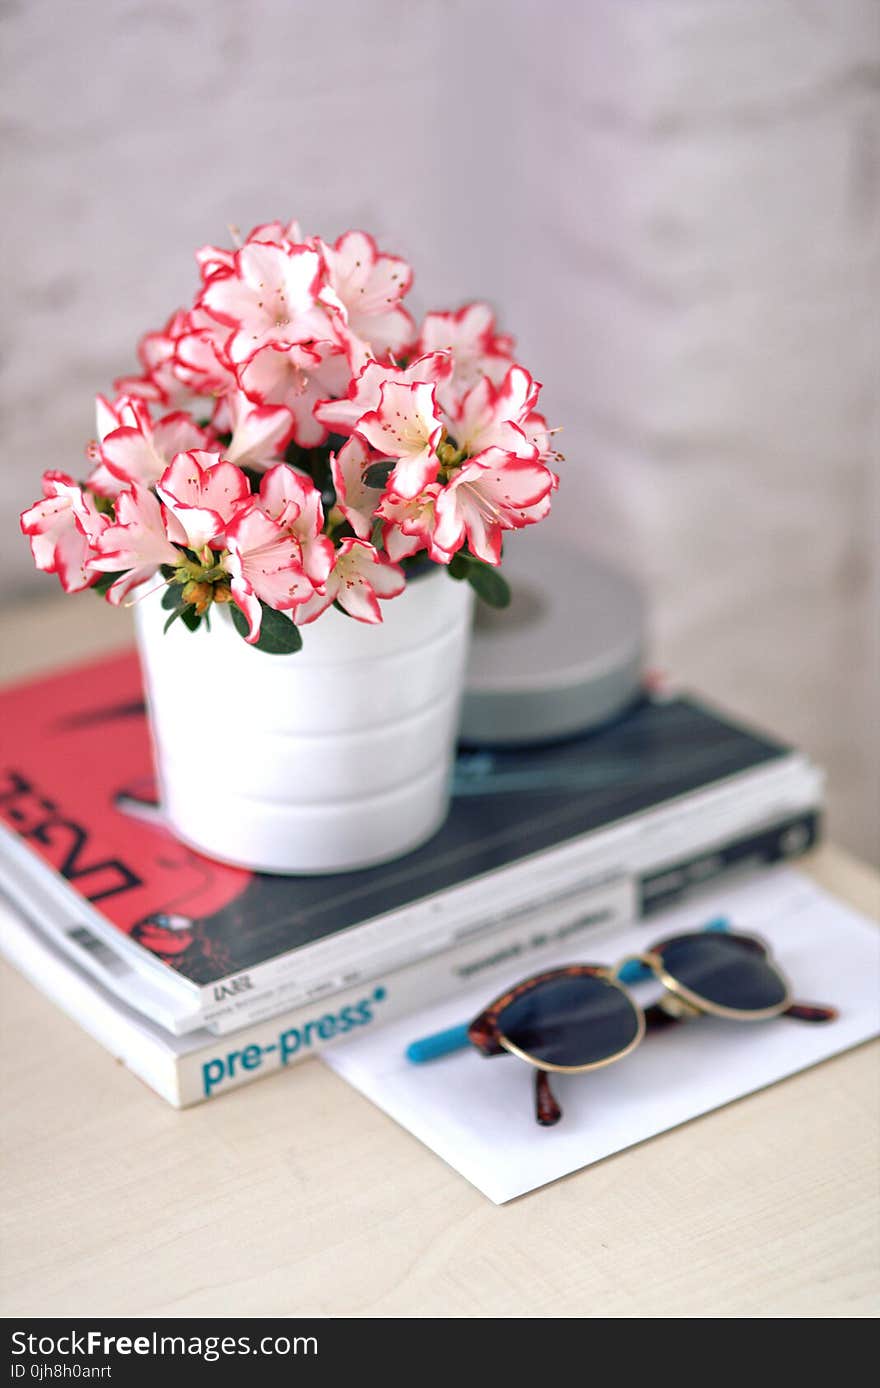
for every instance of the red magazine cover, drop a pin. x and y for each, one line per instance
(75, 780)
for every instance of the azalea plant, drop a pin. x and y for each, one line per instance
(295, 441)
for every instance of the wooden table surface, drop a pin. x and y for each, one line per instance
(295, 1196)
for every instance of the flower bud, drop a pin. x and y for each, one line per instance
(198, 595)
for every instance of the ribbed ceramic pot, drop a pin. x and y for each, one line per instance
(335, 758)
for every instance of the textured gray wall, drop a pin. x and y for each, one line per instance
(676, 202)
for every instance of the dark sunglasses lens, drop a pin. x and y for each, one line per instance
(569, 1020)
(725, 971)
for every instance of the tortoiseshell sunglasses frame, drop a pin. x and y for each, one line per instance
(678, 1004)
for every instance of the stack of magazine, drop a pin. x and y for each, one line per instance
(201, 976)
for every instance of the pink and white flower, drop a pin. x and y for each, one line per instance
(210, 259)
(137, 450)
(407, 428)
(288, 339)
(137, 542)
(491, 416)
(410, 526)
(476, 349)
(534, 426)
(62, 529)
(298, 377)
(260, 433)
(355, 499)
(264, 563)
(365, 389)
(273, 295)
(201, 493)
(370, 285)
(360, 577)
(108, 415)
(490, 494)
(200, 360)
(293, 501)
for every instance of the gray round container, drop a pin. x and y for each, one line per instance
(566, 655)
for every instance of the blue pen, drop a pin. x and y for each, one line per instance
(456, 1038)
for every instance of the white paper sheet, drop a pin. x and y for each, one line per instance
(477, 1113)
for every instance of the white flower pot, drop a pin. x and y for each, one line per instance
(335, 758)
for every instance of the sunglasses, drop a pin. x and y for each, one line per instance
(582, 1016)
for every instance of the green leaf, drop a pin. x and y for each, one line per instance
(459, 566)
(172, 598)
(377, 474)
(488, 584)
(106, 581)
(239, 620)
(188, 615)
(278, 635)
